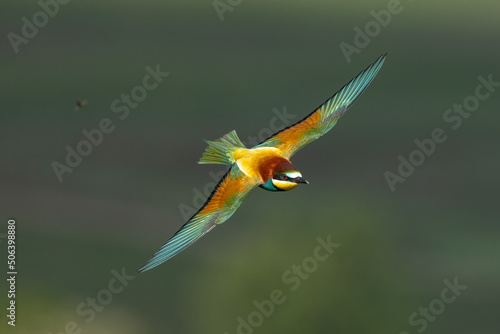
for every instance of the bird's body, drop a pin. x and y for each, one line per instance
(260, 163)
(266, 165)
(254, 162)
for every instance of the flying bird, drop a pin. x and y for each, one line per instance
(266, 165)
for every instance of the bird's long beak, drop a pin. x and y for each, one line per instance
(300, 180)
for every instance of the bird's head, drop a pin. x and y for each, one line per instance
(284, 180)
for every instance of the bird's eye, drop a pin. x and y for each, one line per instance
(285, 177)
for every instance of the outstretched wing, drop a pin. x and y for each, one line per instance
(220, 205)
(324, 118)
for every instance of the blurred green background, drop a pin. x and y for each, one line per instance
(123, 201)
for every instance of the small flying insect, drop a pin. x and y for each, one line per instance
(80, 104)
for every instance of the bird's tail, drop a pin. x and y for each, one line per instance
(219, 151)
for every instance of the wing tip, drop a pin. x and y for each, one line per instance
(377, 65)
(147, 266)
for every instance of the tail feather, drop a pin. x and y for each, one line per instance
(219, 151)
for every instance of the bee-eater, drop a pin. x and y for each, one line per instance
(266, 165)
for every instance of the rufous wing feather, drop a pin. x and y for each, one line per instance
(220, 205)
(324, 118)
